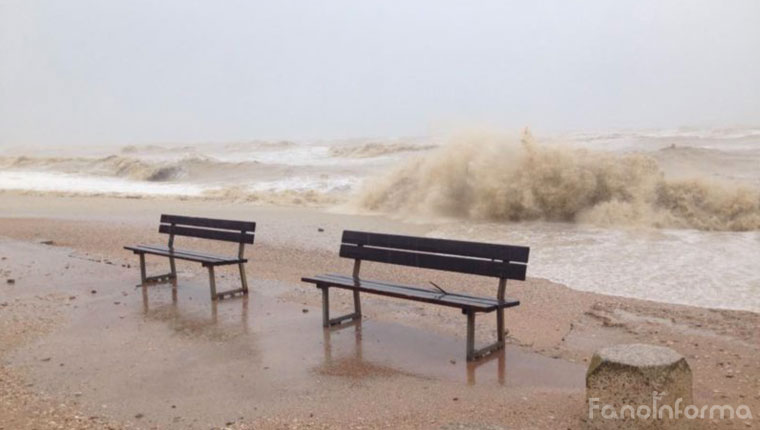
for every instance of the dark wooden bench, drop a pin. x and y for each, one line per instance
(240, 232)
(493, 260)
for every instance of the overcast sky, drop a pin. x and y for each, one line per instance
(135, 71)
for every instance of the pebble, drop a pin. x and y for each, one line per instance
(11, 281)
(305, 311)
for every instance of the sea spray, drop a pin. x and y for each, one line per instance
(488, 177)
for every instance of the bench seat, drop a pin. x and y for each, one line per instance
(461, 301)
(186, 254)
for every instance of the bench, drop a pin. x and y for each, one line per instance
(240, 232)
(486, 259)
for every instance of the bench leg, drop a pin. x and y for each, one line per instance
(472, 353)
(143, 275)
(470, 336)
(223, 294)
(243, 279)
(146, 280)
(357, 304)
(325, 306)
(326, 321)
(500, 324)
(173, 268)
(212, 282)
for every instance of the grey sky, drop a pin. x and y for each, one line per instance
(135, 71)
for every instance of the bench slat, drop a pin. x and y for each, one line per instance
(485, 300)
(453, 297)
(166, 253)
(440, 246)
(223, 224)
(228, 236)
(399, 292)
(196, 253)
(185, 255)
(439, 262)
(411, 293)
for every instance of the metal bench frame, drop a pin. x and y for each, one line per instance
(503, 268)
(215, 229)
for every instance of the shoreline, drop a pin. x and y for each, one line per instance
(554, 323)
(303, 224)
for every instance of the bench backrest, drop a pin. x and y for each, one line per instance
(208, 228)
(487, 259)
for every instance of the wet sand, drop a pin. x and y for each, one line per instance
(82, 347)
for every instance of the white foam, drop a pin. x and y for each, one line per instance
(706, 269)
(64, 182)
(295, 155)
(305, 183)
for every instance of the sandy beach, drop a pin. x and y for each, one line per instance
(82, 347)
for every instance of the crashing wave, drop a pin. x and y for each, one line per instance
(493, 178)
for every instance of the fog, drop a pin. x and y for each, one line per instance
(120, 72)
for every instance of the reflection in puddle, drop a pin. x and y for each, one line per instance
(353, 365)
(286, 335)
(252, 355)
(192, 322)
(499, 357)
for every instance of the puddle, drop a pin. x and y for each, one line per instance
(172, 357)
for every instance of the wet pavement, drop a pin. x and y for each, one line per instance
(170, 356)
